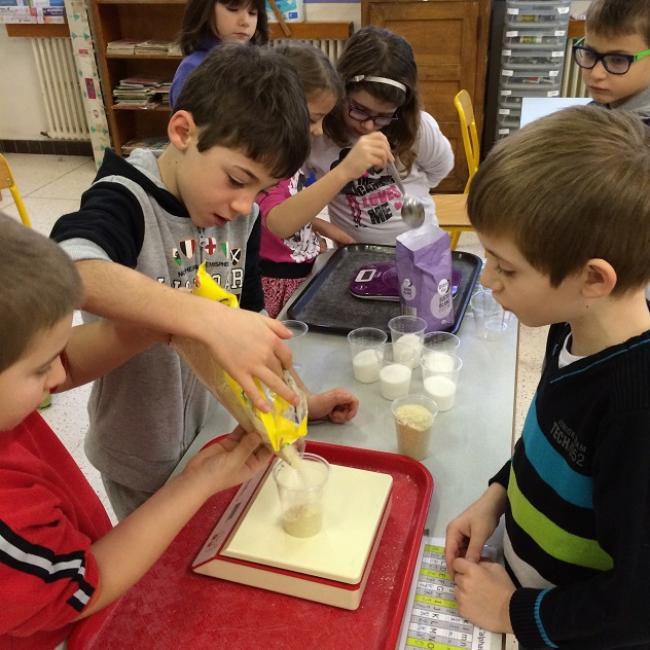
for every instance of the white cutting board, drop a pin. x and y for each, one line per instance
(353, 504)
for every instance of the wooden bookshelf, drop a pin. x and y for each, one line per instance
(160, 20)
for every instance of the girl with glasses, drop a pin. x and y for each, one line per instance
(381, 101)
(614, 56)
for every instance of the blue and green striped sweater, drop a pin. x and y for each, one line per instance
(577, 537)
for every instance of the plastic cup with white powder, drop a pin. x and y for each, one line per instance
(407, 334)
(414, 416)
(395, 380)
(367, 345)
(440, 373)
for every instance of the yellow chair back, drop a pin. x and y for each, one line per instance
(463, 104)
(7, 182)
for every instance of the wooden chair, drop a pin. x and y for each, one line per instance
(452, 216)
(451, 208)
(7, 182)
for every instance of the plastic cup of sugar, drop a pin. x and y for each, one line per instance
(489, 316)
(406, 335)
(367, 345)
(301, 491)
(414, 416)
(395, 380)
(440, 373)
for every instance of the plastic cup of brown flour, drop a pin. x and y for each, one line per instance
(414, 416)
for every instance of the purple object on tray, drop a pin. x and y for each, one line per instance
(326, 303)
(378, 281)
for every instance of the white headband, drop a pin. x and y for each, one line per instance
(379, 80)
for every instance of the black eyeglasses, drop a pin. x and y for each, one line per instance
(361, 114)
(587, 57)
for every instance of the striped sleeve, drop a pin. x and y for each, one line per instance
(47, 571)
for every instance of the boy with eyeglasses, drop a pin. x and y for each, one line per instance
(614, 55)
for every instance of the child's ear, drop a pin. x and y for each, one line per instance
(599, 278)
(181, 129)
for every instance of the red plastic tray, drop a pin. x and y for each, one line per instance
(172, 607)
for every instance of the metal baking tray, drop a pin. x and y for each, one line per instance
(327, 305)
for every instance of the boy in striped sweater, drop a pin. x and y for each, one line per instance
(563, 211)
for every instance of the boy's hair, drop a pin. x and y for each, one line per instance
(611, 18)
(315, 70)
(570, 187)
(45, 287)
(198, 26)
(248, 98)
(373, 51)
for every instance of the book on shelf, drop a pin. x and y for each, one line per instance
(135, 46)
(153, 47)
(122, 46)
(155, 144)
(141, 91)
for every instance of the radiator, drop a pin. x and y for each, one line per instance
(66, 119)
(572, 85)
(332, 47)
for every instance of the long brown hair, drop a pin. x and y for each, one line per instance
(378, 52)
(198, 23)
(315, 70)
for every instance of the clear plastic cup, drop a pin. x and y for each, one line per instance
(440, 342)
(414, 416)
(490, 317)
(395, 380)
(301, 487)
(406, 335)
(440, 374)
(367, 346)
(298, 331)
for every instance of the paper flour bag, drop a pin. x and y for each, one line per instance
(423, 260)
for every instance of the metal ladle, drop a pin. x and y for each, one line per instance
(412, 208)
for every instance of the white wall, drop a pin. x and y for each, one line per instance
(22, 114)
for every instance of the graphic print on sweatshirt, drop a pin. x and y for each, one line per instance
(223, 263)
(303, 245)
(373, 199)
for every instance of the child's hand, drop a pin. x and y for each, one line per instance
(483, 592)
(247, 345)
(466, 535)
(337, 405)
(231, 460)
(371, 150)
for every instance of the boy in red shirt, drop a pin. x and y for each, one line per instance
(60, 560)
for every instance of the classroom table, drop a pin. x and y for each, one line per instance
(470, 442)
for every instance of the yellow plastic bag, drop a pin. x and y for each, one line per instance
(285, 423)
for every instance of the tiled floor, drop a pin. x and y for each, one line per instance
(52, 186)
